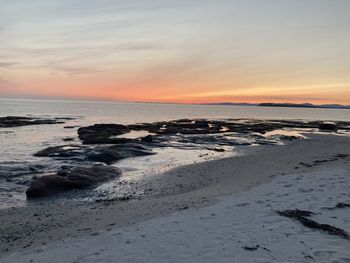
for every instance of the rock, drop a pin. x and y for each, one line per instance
(49, 185)
(202, 123)
(17, 121)
(328, 126)
(106, 154)
(111, 154)
(296, 213)
(251, 248)
(89, 176)
(101, 133)
(66, 118)
(61, 151)
(289, 138)
(107, 140)
(198, 127)
(81, 177)
(342, 205)
(68, 139)
(339, 206)
(217, 149)
(147, 139)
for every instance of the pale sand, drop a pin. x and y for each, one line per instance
(153, 230)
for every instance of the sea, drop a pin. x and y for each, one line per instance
(20, 143)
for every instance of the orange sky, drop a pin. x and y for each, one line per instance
(182, 51)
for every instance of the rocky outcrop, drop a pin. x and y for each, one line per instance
(106, 154)
(107, 140)
(328, 126)
(81, 177)
(111, 154)
(102, 133)
(108, 133)
(17, 121)
(147, 139)
(62, 151)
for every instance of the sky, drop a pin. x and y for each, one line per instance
(187, 51)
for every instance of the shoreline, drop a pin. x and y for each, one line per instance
(184, 188)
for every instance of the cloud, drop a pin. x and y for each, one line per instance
(75, 59)
(86, 52)
(72, 71)
(7, 64)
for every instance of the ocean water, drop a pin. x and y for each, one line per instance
(148, 112)
(20, 143)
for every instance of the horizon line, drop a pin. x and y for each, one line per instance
(220, 103)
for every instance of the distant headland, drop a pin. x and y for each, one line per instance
(291, 105)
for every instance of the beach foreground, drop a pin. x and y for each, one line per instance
(223, 210)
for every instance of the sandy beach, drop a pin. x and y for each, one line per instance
(223, 209)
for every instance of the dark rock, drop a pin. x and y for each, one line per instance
(183, 120)
(106, 154)
(202, 124)
(306, 164)
(289, 138)
(342, 205)
(66, 118)
(328, 126)
(339, 206)
(61, 151)
(107, 140)
(101, 133)
(17, 121)
(147, 139)
(125, 198)
(251, 248)
(68, 139)
(296, 213)
(198, 127)
(217, 149)
(89, 176)
(342, 156)
(80, 177)
(106, 133)
(111, 154)
(49, 185)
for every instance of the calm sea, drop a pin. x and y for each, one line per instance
(148, 112)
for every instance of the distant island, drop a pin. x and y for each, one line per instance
(291, 105)
(306, 105)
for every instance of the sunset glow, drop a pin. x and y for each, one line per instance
(176, 51)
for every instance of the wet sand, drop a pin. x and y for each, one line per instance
(33, 231)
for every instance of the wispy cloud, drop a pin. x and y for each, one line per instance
(73, 71)
(7, 64)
